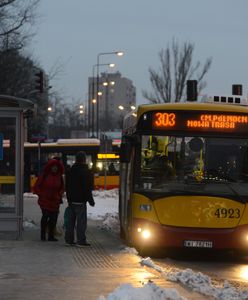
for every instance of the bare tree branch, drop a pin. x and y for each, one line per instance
(176, 62)
(16, 16)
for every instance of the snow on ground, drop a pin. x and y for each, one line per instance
(149, 291)
(106, 210)
(29, 224)
(199, 282)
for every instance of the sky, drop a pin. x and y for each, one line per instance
(72, 34)
(106, 210)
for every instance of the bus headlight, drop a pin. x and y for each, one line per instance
(146, 234)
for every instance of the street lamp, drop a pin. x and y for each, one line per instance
(127, 109)
(107, 84)
(50, 110)
(118, 53)
(91, 102)
(81, 109)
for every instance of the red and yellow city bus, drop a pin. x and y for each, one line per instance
(184, 176)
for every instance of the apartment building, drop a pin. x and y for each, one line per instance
(117, 98)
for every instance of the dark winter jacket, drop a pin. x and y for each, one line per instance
(79, 184)
(50, 186)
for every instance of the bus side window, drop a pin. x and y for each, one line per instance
(111, 169)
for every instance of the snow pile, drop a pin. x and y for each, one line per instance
(199, 282)
(129, 250)
(114, 193)
(29, 224)
(106, 208)
(111, 222)
(149, 291)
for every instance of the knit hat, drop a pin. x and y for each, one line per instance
(81, 157)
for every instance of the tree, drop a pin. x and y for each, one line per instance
(16, 77)
(65, 117)
(17, 69)
(176, 68)
(16, 19)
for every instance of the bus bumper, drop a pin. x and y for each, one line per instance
(183, 237)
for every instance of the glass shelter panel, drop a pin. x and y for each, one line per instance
(7, 165)
(193, 165)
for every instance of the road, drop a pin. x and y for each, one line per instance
(218, 267)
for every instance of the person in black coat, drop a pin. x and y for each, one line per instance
(79, 186)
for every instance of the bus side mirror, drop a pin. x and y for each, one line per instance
(125, 152)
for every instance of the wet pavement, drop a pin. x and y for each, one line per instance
(32, 269)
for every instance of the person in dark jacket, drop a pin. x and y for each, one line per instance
(79, 186)
(50, 187)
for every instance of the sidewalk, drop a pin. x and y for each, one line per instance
(33, 270)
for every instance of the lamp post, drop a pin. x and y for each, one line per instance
(49, 109)
(118, 53)
(92, 99)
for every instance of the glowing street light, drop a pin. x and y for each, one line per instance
(91, 98)
(81, 109)
(106, 83)
(118, 53)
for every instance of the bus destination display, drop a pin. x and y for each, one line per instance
(198, 120)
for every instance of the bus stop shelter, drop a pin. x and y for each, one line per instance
(12, 135)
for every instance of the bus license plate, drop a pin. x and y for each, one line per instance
(198, 244)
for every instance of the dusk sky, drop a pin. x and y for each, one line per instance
(72, 33)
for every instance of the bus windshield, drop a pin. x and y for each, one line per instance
(172, 165)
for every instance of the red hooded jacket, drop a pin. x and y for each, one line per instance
(50, 186)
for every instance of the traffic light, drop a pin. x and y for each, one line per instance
(39, 81)
(237, 89)
(192, 90)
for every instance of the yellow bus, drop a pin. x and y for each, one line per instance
(184, 176)
(102, 163)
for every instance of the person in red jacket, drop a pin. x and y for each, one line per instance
(50, 187)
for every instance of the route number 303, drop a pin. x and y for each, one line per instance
(232, 213)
